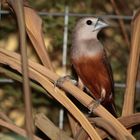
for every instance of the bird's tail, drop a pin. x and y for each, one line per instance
(111, 108)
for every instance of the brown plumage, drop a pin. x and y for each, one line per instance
(90, 61)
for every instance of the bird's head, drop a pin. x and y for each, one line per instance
(88, 28)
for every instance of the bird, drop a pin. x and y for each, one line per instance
(90, 62)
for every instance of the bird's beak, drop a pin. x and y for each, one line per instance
(100, 24)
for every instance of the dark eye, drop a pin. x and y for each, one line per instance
(89, 22)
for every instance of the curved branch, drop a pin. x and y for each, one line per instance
(127, 121)
(44, 76)
(5, 117)
(18, 9)
(13, 60)
(16, 129)
(132, 69)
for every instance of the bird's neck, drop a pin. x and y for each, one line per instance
(82, 35)
(90, 47)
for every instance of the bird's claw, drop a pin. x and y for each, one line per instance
(93, 105)
(61, 80)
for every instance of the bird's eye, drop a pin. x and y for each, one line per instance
(89, 22)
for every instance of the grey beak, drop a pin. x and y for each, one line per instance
(100, 24)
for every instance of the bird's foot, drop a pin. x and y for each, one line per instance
(61, 80)
(93, 105)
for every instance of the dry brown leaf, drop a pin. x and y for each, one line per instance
(56, 93)
(16, 129)
(34, 29)
(40, 73)
(46, 126)
(127, 121)
(132, 70)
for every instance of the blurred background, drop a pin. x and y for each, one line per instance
(59, 19)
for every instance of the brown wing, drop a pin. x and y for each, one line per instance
(111, 104)
(74, 73)
(109, 70)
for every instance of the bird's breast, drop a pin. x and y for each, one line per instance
(93, 73)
